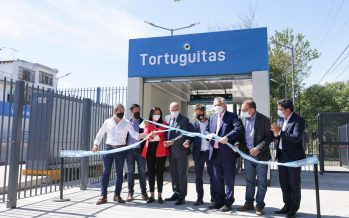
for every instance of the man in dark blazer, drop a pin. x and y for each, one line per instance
(289, 131)
(200, 153)
(257, 139)
(226, 125)
(178, 154)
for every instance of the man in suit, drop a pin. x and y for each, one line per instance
(226, 125)
(258, 137)
(178, 154)
(134, 155)
(201, 153)
(289, 131)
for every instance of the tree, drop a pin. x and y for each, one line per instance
(280, 63)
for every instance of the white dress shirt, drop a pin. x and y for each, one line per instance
(283, 129)
(205, 145)
(116, 132)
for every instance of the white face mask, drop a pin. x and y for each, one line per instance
(281, 114)
(156, 117)
(218, 109)
(174, 114)
(245, 114)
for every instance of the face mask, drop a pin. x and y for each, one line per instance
(281, 114)
(174, 114)
(136, 115)
(219, 109)
(200, 116)
(245, 114)
(120, 115)
(156, 118)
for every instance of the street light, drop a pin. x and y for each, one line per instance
(172, 30)
(280, 83)
(65, 75)
(292, 51)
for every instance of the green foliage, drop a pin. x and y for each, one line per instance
(280, 64)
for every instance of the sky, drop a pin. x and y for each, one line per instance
(89, 38)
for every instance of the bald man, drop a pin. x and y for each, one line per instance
(178, 155)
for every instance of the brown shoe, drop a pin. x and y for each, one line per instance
(118, 199)
(129, 197)
(259, 211)
(102, 200)
(145, 197)
(247, 206)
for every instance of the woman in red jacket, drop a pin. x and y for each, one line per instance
(155, 153)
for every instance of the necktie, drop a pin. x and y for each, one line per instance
(172, 120)
(219, 123)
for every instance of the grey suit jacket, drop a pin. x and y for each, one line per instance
(262, 136)
(177, 149)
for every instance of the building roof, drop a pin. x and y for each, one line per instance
(36, 64)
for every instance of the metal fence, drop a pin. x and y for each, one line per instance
(105, 95)
(36, 124)
(334, 141)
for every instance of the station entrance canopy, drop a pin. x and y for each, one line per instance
(185, 68)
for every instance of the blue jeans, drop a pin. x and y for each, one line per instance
(119, 159)
(134, 155)
(251, 170)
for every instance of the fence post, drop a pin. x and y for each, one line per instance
(317, 192)
(98, 97)
(15, 145)
(321, 144)
(85, 141)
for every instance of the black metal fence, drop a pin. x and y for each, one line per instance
(36, 124)
(334, 141)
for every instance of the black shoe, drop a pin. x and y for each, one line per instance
(174, 197)
(225, 208)
(198, 202)
(118, 199)
(292, 214)
(160, 201)
(180, 202)
(150, 200)
(284, 210)
(215, 206)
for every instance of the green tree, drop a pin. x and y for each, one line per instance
(280, 64)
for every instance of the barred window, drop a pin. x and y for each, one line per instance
(45, 78)
(26, 74)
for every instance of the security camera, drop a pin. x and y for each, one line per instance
(187, 46)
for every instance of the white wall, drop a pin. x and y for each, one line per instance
(261, 91)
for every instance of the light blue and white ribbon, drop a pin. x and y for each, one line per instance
(81, 153)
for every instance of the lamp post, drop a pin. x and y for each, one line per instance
(171, 29)
(293, 90)
(65, 75)
(280, 83)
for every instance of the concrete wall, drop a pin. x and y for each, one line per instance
(261, 91)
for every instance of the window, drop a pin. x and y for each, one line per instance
(26, 74)
(45, 78)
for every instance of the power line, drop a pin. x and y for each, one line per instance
(328, 15)
(342, 72)
(339, 63)
(328, 30)
(334, 63)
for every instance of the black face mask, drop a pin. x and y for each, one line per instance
(137, 115)
(200, 116)
(120, 115)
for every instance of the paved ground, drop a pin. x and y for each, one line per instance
(334, 202)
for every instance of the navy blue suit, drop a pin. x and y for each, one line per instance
(292, 150)
(224, 158)
(200, 158)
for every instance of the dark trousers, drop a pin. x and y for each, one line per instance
(119, 160)
(156, 167)
(224, 170)
(178, 167)
(133, 156)
(199, 171)
(290, 182)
